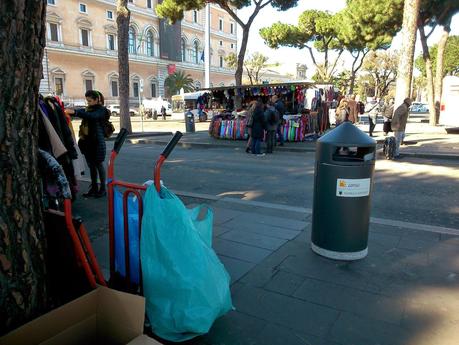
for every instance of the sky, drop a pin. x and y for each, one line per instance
(288, 57)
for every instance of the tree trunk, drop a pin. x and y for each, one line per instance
(405, 66)
(23, 292)
(429, 76)
(355, 70)
(439, 70)
(241, 55)
(123, 16)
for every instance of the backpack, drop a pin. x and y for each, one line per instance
(389, 147)
(361, 108)
(108, 127)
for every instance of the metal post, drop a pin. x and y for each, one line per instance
(207, 48)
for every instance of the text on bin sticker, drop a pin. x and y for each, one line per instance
(353, 188)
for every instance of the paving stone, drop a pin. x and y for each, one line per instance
(274, 334)
(219, 230)
(236, 268)
(351, 329)
(253, 239)
(284, 283)
(251, 219)
(263, 229)
(449, 239)
(239, 250)
(385, 240)
(385, 229)
(286, 311)
(234, 328)
(222, 215)
(413, 243)
(359, 302)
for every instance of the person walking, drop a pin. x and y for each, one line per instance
(388, 112)
(163, 112)
(279, 105)
(399, 124)
(272, 120)
(258, 126)
(353, 109)
(373, 115)
(92, 140)
(249, 123)
(342, 112)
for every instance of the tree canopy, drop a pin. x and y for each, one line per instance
(174, 10)
(451, 59)
(177, 81)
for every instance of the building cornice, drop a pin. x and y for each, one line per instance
(137, 58)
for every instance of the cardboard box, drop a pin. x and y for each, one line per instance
(103, 316)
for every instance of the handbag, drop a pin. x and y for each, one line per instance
(84, 129)
(109, 129)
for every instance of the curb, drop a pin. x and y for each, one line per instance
(140, 135)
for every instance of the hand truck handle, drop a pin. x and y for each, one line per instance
(119, 141)
(175, 139)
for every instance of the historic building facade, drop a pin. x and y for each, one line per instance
(81, 50)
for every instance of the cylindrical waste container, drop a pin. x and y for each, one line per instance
(343, 182)
(189, 122)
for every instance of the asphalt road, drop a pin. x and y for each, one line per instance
(413, 190)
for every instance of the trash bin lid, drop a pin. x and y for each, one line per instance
(346, 134)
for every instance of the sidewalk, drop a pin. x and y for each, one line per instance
(404, 292)
(422, 140)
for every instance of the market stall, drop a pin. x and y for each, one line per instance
(307, 109)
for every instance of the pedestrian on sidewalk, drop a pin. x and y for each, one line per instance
(373, 115)
(272, 121)
(258, 127)
(92, 140)
(353, 109)
(342, 112)
(249, 119)
(163, 112)
(388, 112)
(279, 105)
(399, 123)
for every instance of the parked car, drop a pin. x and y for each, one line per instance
(115, 110)
(417, 107)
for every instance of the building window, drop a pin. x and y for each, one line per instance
(109, 14)
(196, 52)
(88, 84)
(221, 61)
(220, 24)
(114, 88)
(153, 90)
(51, 2)
(111, 42)
(132, 39)
(195, 16)
(150, 44)
(232, 45)
(84, 37)
(232, 28)
(221, 43)
(59, 86)
(83, 8)
(131, 1)
(183, 50)
(53, 32)
(135, 89)
(149, 4)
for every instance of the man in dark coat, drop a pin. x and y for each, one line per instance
(399, 123)
(279, 105)
(92, 140)
(258, 127)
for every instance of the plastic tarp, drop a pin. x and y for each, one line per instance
(185, 285)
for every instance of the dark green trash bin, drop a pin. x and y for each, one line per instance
(343, 182)
(189, 122)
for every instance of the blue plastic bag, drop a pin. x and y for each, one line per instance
(133, 225)
(185, 285)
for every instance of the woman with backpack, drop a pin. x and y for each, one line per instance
(92, 139)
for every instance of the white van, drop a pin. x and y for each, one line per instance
(155, 104)
(449, 106)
